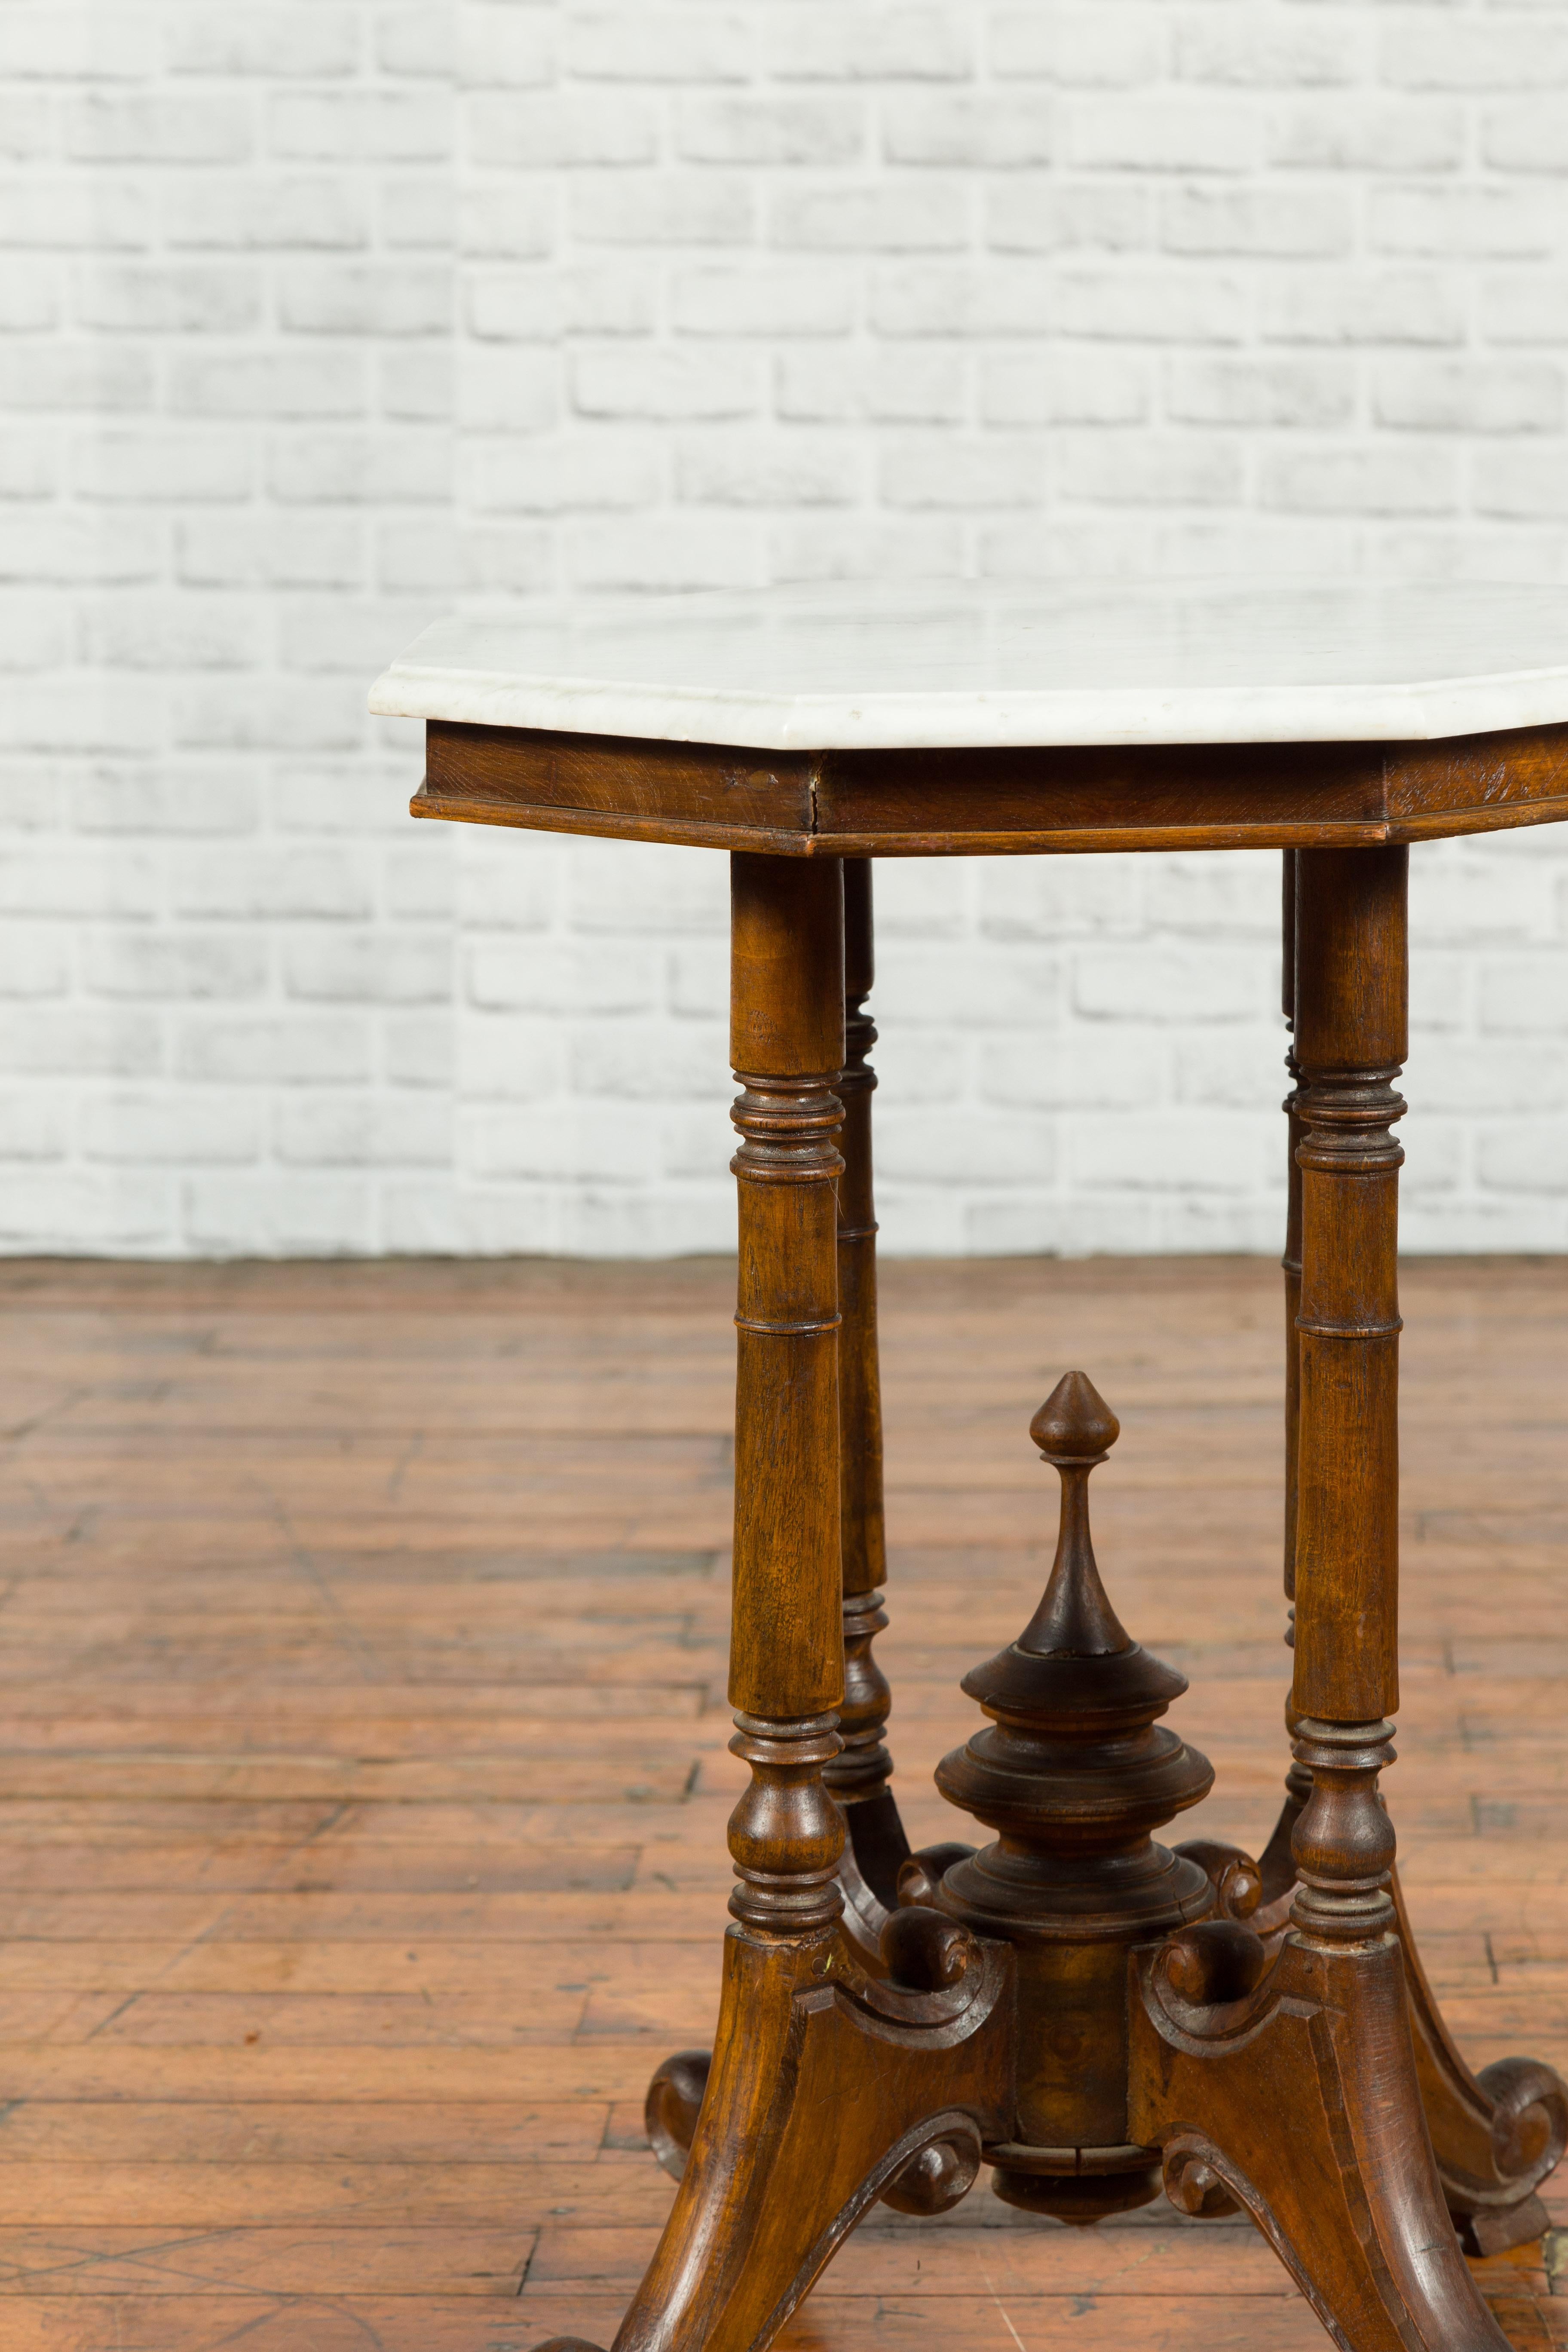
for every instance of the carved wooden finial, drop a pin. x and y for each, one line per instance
(1075, 1429)
(1075, 1423)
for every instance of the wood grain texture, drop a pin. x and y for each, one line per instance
(986, 802)
(340, 1940)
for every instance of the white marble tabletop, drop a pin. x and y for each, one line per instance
(854, 666)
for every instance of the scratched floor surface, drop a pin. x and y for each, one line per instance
(362, 1767)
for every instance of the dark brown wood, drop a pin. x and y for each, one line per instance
(986, 803)
(1277, 1862)
(876, 1847)
(1074, 1776)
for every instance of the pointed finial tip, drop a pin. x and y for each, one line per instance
(1075, 1423)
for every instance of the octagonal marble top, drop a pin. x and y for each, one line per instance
(850, 666)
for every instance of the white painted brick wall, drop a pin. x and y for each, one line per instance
(316, 314)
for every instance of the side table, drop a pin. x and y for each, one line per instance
(1093, 2014)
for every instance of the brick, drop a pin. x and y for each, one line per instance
(644, 43)
(86, 214)
(1273, 221)
(1081, 1070)
(1468, 395)
(561, 130)
(117, 799)
(817, 130)
(944, 472)
(963, 300)
(418, 1046)
(30, 464)
(418, 214)
(662, 383)
(1525, 307)
(512, 559)
(145, 127)
(1271, 47)
(1528, 1156)
(545, 305)
(365, 1131)
(416, 40)
(1029, 215)
(1525, 136)
(340, 632)
(1216, 983)
(294, 551)
(77, 546)
(276, 44)
(506, 48)
(360, 469)
(765, 301)
(1500, 51)
(1162, 134)
(507, 391)
(364, 299)
(35, 961)
(913, 216)
(846, 547)
(173, 632)
(1465, 222)
(34, 1131)
(284, 1213)
(1350, 306)
(642, 552)
(506, 221)
(1154, 470)
(415, 384)
(1312, 393)
(359, 126)
(267, 383)
(165, 964)
(1518, 484)
(357, 966)
(885, 43)
(247, 213)
(656, 208)
(159, 464)
(86, 1040)
(272, 1049)
(29, 298)
(563, 475)
(785, 470)
(184, 297)
(1145, 305)
(1118, 46)
(823, 385)
(76, 1209)
(989, 131)
(251, 714)
(177, 1128)
(60, 43)
(37, 632)
(60, 376)
(1359, 133)
(26, 126)
(1384, 480)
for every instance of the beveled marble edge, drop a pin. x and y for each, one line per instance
(958, 719)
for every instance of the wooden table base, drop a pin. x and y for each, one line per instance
(1098, 2017)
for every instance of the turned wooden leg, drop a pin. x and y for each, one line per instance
(877, 1847)
(1298, 2094)
(1277, 1861)
(829, 2086)
(1495, 2136)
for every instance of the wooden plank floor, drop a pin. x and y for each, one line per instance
(365, 1770)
